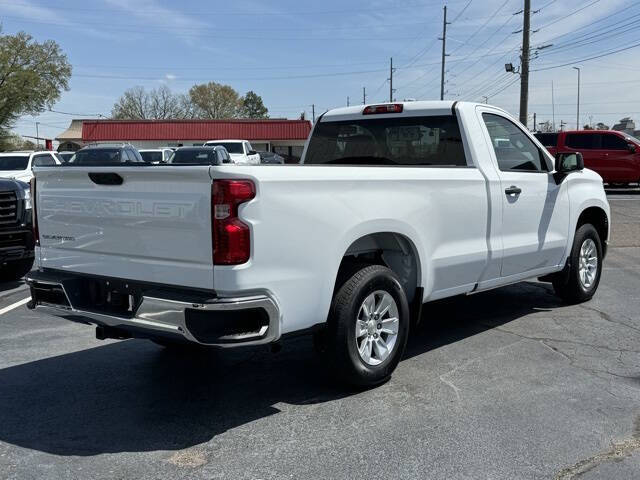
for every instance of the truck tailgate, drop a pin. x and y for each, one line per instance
(153, 227)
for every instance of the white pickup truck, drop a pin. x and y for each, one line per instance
(393, 205)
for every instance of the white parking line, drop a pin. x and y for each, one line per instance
(14, 305)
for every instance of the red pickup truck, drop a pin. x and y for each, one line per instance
(614, 155)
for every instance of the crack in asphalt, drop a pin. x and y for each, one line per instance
(618, 451)
(608, 318)
(593, 371)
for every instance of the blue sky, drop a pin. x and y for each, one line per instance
(295, 54)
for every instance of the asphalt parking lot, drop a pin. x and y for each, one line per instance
(501, 385)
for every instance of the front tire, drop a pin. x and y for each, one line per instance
(368, 327)
(581, 281)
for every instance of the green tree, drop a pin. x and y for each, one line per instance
(253, 107)
(216, 101)
(13, 141)
(157, 104)
(32, 77)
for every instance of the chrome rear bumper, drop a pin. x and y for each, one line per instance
(220, 321)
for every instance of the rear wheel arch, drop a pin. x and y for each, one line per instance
(390, 249)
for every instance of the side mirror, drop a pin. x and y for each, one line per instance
(632, 147)
(252, 152)
(569, 162)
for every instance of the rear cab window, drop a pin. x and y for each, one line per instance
(391, 141)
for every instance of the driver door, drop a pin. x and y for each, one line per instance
(535, 210)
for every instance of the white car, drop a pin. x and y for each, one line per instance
(156, 155)
(240, 151)
(19, 165)
(394, 205)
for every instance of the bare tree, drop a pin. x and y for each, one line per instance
(157, 104)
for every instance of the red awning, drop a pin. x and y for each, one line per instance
(176, 130)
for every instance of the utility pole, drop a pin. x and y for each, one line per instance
(535, 128)
(444, 51)
(524, 74)
(553, 107)
(578, 104)
(37, 136)
(347, 101)
(391, 90)
(486, 99)
(364, 95)
(313, 112)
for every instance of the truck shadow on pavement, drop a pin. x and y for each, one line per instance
(134, 396)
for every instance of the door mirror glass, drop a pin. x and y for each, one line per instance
(569, 162)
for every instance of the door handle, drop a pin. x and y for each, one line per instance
(109, 178)
(513, 190)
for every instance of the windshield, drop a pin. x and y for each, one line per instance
(14, 163)
(96, 156)
(232, 147)
(416, 141)
(151, 157)
(194, 156)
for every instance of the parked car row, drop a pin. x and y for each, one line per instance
(612, 154)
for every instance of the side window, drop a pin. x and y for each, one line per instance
(513, 148)
(547, 139)
(581, 141)
(612, 142)
(45, 160)
(247, 146)
(167, 155)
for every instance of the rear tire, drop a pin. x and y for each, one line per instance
(16, 269)
(581, 281)
(368, 327)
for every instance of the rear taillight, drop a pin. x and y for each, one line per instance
(34, 218)
(231, 236)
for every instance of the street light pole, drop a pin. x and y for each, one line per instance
(37, 136)
(578, 103)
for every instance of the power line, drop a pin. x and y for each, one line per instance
(567, 15)
(515, 80)
(462, 11)
(150, 12)
(482, 26)
(142, 27)
(511, 17)
(77, 114)
(581, 60)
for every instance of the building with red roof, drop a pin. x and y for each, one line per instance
(285, 137)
